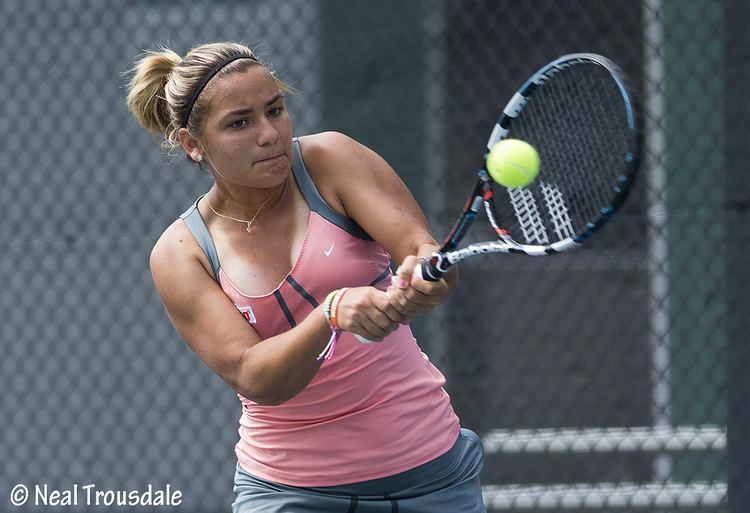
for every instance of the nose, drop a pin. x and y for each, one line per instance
(267, 132)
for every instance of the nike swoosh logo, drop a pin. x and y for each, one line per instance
(329, 250)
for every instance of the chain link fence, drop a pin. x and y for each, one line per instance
(628, 412)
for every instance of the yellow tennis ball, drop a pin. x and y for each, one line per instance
(513, 163)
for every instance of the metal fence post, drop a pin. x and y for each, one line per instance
(737, 107)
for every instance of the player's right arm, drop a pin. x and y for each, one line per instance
(269, 371)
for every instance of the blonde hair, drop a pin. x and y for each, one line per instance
(163, 83)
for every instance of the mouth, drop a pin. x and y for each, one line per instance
(270, 159)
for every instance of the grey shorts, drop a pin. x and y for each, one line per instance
(447, 484)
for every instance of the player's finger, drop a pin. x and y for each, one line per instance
(403, 300)
(401, 309)
(402, 278)
(406, 307)
(426, 292)
(376, 329)
(383, 303)
(381, 320)
(413, 296)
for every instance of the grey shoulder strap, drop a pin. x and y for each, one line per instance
(316, 202)
(197, 226)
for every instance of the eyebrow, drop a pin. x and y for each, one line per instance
(249, 110)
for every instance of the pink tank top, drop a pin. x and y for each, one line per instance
(372, 410)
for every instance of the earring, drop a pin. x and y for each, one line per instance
(199, 158)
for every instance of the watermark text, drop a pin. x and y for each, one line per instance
(91, 495)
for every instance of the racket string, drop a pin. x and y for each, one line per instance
(578, 123)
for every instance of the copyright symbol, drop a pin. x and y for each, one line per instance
(19, 495)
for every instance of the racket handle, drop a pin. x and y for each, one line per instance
(426, 271)
(363, 339)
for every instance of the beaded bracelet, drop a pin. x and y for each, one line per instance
(335, 306)
(327, 305)
(328, 310)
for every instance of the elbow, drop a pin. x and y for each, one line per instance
(268, 400)
(265, 394)
(269, 381)
(261, 387)
(272, 394)
(260, 396)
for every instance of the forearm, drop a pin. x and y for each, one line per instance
(278, 368)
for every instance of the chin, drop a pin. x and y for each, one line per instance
(276, 174)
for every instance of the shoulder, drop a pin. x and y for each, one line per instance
(176, 248)
(335, 161)
(327, 146)
(332, 153)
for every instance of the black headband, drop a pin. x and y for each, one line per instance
(185, 114)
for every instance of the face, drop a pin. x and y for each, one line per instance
(247, 133)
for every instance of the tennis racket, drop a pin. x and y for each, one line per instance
(581, 115)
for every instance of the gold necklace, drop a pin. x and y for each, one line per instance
(248, 223)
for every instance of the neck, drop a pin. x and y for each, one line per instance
(245, 202)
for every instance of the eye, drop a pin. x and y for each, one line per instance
(240, 123)
(275, 111)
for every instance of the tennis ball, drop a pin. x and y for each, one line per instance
(513, 163)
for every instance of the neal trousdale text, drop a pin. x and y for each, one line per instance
(88, 495)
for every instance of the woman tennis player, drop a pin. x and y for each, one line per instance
(269, 276)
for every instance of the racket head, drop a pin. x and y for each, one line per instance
(581, 114)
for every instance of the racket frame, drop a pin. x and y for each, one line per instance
(434, 267)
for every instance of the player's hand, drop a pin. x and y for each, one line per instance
(411, 295)
(368, 312)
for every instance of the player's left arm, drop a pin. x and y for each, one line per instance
(360, 184)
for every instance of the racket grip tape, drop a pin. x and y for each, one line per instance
(427, 271)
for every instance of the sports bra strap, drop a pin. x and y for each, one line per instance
(197, 226)
(316, 202)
